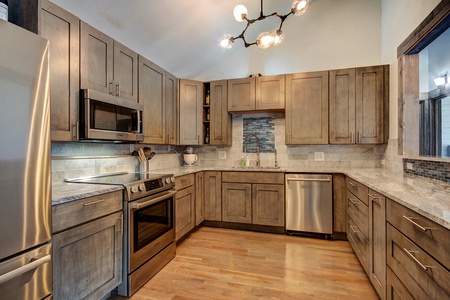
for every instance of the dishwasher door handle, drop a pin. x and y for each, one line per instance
(308, 179)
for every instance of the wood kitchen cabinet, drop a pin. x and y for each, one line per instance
(184, 205)
(262, 93)
(359, 105)
(220, 123)
(106, 65)
(191, 112)
(307, 108)
(87, 247)
(339, 206)
(157, 91)
(199, 198)
(253, 198)
(213, 196)
(62, 30)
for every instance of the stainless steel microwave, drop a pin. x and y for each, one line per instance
(107, 118)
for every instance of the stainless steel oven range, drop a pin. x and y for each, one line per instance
(149, 229)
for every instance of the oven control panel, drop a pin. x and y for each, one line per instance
(150, 186)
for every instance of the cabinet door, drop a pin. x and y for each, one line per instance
(270, 92)
(191, 105)
(220, 118)
(96, 60)
(87, 260)
(199, 198)
(307, 108)
(151, 94)
(339, 203)
(268, 204)
(125, 72)
(213, 196)
(237, 202)
(370, 105)
(241, 94)
(342, 106)
(184, 211)
(377, 242)
(62, 30)
(171, 109)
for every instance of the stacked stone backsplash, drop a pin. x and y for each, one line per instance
(335, 156)
(71, 160)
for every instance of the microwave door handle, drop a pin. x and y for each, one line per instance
(152, 201)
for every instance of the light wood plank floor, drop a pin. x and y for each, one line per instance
(215, 263)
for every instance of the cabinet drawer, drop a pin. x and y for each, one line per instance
(358, 242)
(421, 274)
(359, 212)
(253, 177)
(184, 181)
(72, 213)
(395, 288)
(430, 236)
(358, 189)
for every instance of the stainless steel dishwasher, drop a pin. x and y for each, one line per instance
(309, 204)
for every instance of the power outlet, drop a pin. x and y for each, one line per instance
(409, 166)
(222, 154)
(319, 156)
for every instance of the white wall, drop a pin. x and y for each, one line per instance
(331, 35)
(398, 20)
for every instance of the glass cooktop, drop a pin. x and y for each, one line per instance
(118, 178)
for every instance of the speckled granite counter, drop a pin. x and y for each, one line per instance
(427, 197)
(65, 192)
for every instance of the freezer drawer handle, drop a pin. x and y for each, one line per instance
(24, 269)
(308, 179)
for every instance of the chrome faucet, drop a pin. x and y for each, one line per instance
(258, 145)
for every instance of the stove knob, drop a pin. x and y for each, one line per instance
(142, 187)
(134, 189)
(167, 180)
(172, 179)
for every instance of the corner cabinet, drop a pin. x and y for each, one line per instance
(220, 123)
(307, 108)
(158, 93)
(106, 65)
(213, 196)
(62, 30)
(359, 105)
(199, 198)
(191, 112)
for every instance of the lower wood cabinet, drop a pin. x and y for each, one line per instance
(213, 195)
(253, 198)
(87, 257)
(184, 205)
(199, 198)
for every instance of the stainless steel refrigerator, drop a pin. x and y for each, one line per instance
(25, 176)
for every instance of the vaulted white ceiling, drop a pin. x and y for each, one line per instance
(182, 36)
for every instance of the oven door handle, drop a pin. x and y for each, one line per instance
(152, 201)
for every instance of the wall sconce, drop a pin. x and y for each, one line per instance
(441, 81)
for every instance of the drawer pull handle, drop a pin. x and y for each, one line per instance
(353, 229)
(94, 202)
(410, 253)
(352, 184)
(410, 219)
(355, 202)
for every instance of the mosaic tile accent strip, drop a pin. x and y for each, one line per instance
(264, 129)
(431, 169)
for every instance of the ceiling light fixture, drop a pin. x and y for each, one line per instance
(265, 39)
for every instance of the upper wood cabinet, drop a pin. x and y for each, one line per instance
(359, 105)
(256, 94)
(106, 65)
(157, 91)
(191, 109)
(220, 124)
(62, 30)
(307, 108)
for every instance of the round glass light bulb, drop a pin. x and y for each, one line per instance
(299, 7)
(264, 40)
(278, 37)
(226, 41)
(239, 12)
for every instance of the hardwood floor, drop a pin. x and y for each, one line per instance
(215, 263)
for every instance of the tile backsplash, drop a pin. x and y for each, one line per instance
(439, 170)
(264, 129)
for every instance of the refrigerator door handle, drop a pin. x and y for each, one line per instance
(24, 269)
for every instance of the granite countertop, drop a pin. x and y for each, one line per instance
(430, 198)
